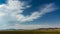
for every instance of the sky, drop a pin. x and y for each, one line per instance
(29, 14)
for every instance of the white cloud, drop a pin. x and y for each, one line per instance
(1, 5)
(2, 14)
(35, 15)
(9, 12)
(48, 8)
(32, 27)
(13, 7)
(29, 27)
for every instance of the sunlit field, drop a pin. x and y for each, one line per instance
(31, 32)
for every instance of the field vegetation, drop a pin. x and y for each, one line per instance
(50, 31)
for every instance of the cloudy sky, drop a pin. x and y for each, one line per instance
(29, 14)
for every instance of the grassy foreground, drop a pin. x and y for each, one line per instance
(31, 32)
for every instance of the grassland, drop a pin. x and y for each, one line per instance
(31, 32)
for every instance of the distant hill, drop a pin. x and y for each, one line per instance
(34, 29)
(48, 29)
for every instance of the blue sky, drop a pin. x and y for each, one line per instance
(29, 14)
(49, 18)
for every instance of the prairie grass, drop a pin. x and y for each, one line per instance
(31, 32)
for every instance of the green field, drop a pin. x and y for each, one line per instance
(31, 32)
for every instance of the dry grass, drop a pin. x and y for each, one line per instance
(31, 32)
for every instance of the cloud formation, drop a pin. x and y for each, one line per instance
(30, 27)
(35, 15)
(14, 7)
(9, 12)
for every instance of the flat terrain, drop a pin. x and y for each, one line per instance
(31, 32)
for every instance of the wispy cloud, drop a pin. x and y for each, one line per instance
(9, 12)
(29, 27)
(14, 7)
(37, 14)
